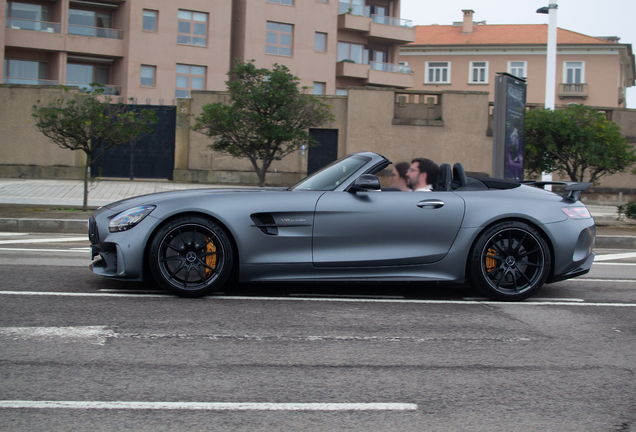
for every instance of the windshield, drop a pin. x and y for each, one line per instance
(333, 175)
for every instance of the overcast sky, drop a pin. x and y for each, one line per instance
(590, 17)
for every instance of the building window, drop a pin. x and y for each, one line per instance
(349, 51)
(150, 20)
(148, 76)
(437, 72)
(279, 39)
(341, 92)
(320, 42)
(355, 6)
(189, 78)
(283, 2)
(319, 88)
(478, 73)
(91, 23)
(27, 16)
(518, 68)
(193, 28)
(574, 72)
(24, 72)
(82, 75)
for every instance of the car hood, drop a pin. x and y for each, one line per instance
(157, 198)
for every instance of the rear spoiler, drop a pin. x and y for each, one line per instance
(574, 188)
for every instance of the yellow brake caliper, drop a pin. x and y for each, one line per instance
(491, 263)
(210, 260)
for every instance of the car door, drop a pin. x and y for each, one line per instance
(376, 228)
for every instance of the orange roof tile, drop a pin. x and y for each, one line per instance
(507, 34)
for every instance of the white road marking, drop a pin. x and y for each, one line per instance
(10, 234)
(602, 280)
(614, 264)
(93, 334)
(610, 257)
(343, 300)
(210, 406)
(46, 240)
(74, 250)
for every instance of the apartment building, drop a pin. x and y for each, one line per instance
(329, 44)
(158, 50)
(594, 71)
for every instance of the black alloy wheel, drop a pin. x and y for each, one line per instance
(510, 261)
(191, 256)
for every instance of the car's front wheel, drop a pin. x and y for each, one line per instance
(191, 256)
(510, 261)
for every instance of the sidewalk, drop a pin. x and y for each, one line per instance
(52, 206)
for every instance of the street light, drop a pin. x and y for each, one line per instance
(550, 67)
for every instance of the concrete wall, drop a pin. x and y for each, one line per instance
(25, 152)
(446, 126)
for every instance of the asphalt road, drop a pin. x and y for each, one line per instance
(78, 352)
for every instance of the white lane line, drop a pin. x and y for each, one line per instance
(601, 280)
(210, 406)
(93, 334)
(613, 264)
(342, 300)
(610, 257)
(10, 234)
(74, 250)
(46, 240)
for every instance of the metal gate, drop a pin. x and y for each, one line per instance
(152, 157)
(325, 152)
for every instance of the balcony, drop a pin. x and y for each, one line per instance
(572, 91)
(349, 69)
(390, 75)
(41, 26)
(377, 73)
(29, 81)
(379, 26)
(100, 32)
(109, 90)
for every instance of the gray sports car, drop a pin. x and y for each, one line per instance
(506, 238)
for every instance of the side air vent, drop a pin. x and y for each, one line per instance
(265, 222)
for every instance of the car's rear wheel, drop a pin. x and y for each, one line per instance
(510, 261)
(191, 256)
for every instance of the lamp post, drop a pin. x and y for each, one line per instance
(550, 68)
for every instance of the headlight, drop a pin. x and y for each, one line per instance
(129, 218)
(577, 212)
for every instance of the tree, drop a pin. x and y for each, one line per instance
(90, 122)
(267, 116)
(578, 142)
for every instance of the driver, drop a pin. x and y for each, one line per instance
(421, 174)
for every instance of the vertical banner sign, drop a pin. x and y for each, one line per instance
(509, 126)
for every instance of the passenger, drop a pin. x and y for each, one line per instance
(398, 176)
(421, 174)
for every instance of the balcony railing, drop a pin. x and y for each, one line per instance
(382, 19)
(573, 90)
(390, 67)
(99, 32)
(109, 90)
(28, 81)
(41, 26)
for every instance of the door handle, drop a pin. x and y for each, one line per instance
(430, 203)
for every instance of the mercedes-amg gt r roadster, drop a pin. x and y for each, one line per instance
(505, 238)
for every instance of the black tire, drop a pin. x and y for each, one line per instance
(510, 261)
(191, 256)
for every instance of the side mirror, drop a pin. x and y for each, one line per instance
(365, 182)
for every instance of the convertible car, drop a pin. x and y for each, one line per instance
(505, 238)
